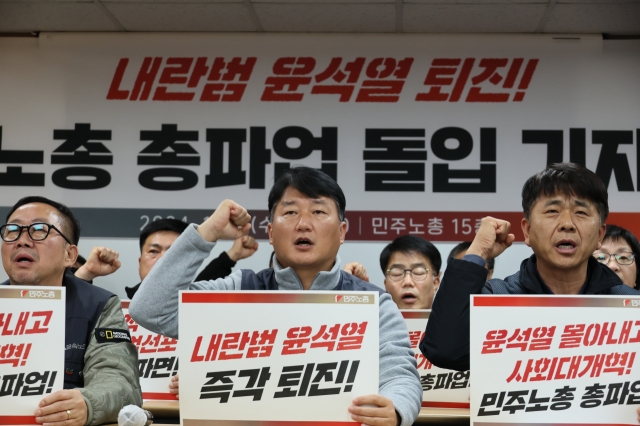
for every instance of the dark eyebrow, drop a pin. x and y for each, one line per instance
(36, 220)
(156, 245)
(413, 265)
(285, 203)
(581, 203)
(552, 202)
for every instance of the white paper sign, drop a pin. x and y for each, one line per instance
(276, 356)
(32, 330)
(157, 359)
(441, 388)
(555, 359)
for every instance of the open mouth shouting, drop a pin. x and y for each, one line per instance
(566, 246)
(409, 298)
(303, 243)
(23, 258)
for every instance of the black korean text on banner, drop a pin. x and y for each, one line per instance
(14, 176)
(260, 155)
(610, 161)
(169, 177)
(178, 79)
(80, 148)
(399, 160)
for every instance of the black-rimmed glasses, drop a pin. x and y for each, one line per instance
(624, 258)
(418, 273)
(37, 231)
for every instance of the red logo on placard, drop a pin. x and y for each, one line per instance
(338, 297)
(625, 302)
(23, 293)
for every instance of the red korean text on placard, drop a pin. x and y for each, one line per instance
(255, 344)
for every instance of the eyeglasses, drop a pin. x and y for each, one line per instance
(624, 258)
(418, 273)
(37, 231)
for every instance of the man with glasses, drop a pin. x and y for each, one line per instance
(39, 241)
(411, 268)
(306, 228)
(619, 252)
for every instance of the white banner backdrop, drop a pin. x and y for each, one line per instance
(404, 121)
(419, 118)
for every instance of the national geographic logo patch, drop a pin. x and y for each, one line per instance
(112, 335)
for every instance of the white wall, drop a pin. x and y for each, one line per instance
(365, 253)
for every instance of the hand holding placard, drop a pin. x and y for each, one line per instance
(229, 221)
(174, 386)
(374, 410)
(492, 239)
(64, 406)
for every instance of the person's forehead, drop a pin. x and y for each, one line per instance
(164, 237)
(292, 196)
(560, 198)
(617, 244)
(34, 212)
(408, 259)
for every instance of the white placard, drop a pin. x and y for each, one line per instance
(441, 388)
(157, 359)
(32, 324)
(555, 359)
(276, 356)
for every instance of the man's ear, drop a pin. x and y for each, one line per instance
(71, 254)
(601, 232)
(526, 228)
(343, 231)
(270, 232)
(436, 281)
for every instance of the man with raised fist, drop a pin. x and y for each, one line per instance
(306, 228)
(565, 208)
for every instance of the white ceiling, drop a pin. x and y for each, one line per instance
(615, 17)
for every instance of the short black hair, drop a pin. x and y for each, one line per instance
(411, 244)
(71, 225)
(464, 246)
(616, 233)
(568, 179)
(311, 182)
(173, 225)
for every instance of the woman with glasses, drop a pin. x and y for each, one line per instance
(618, 251)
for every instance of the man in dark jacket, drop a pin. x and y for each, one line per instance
(565, 209)
(39, 241)
(159, 235)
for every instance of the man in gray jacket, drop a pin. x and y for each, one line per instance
(39, 241)
(306, 230)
